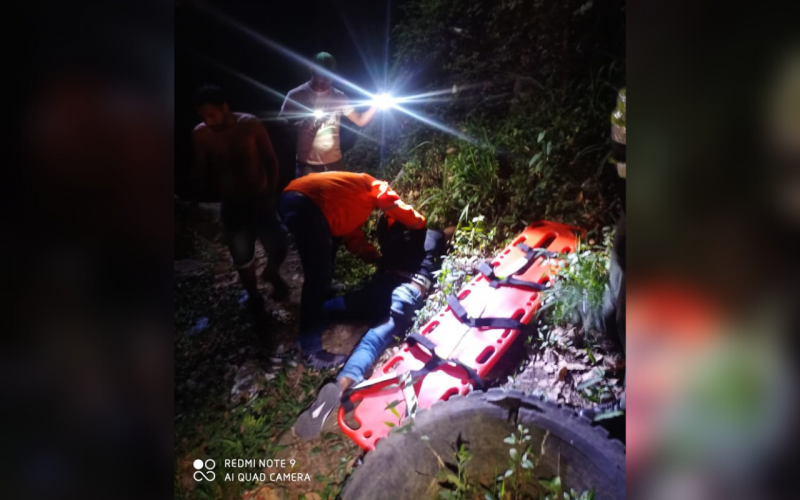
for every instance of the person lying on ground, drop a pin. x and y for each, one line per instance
(389, 302)
(234, 149)
(316, 208)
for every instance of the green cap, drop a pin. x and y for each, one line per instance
(325, 60)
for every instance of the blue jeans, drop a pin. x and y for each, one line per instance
(389, 304)
(312, 235)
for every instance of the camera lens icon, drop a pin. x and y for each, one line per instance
(208, 475)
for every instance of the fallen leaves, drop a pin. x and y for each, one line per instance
(577, 376)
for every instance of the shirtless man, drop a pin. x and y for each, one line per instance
(235, 151)
(315, 109)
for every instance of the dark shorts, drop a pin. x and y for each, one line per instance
(302, 169)
(245, 221)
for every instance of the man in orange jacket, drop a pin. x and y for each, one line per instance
(318, 207)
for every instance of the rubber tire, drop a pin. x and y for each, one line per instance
(402, 466)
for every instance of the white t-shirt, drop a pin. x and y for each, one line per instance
(318, 147)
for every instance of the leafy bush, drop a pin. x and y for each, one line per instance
(469, 183)
(532, 86)
(579, 284)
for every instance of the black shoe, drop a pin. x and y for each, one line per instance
(280, 289)
(254, 303)
(324, 360)
(310, 422)
(255, 307)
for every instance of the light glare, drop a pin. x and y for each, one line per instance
(384, 101)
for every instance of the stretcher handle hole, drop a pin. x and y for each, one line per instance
(450, 392)
(392, 364)
(520, 239)
(431, 327)
(368, 434)
(484, 356)
(546, 240)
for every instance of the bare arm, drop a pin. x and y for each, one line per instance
(269, 156)
(291, 114)
(361, 119)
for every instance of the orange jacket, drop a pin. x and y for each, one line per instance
(347, 200)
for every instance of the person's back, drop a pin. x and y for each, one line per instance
(344, 197)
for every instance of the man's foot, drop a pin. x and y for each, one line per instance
(280, 289)
(310, 422)
(324, 360)
(255, 307)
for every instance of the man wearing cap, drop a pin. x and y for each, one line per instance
(316, 208)
(315, 109)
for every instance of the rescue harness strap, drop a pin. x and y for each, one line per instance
(409, 378)
(531, 254)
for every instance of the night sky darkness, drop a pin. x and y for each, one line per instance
(354, 31)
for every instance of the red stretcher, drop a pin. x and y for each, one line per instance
(458, 347)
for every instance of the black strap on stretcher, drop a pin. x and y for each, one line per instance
(431, 365)
(436, 361)
(531, 254)
(464, 318)
(455, 305)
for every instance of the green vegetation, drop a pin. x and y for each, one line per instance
(516, 482)
(528, 87)
(579, 285)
